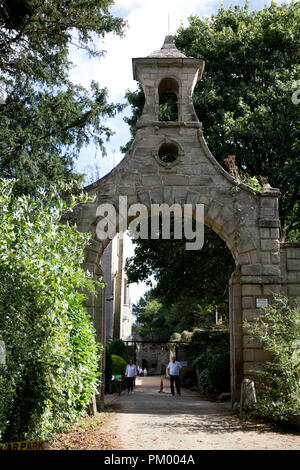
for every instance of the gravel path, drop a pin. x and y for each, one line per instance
(150, 420)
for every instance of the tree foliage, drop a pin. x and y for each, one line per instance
(189, 284)
(209, 352)
(278, 329)
(46, 119)
(118, 365)
(51, 369)
(154, 320)
(244, 99)
(118, 348)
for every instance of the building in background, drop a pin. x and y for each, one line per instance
(117, 302)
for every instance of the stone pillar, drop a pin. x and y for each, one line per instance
(118, 291)
(99, 324)
(290, 269)
(236, 334)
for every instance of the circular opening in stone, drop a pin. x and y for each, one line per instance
(168, 153)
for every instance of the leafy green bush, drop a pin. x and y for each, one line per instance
(205, 382)
(218, 372)
(51, 369)
(118, 365)
(118, 347)
(209, 352)
(189, 378)
(278, 329)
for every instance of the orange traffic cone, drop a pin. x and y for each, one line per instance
(161, 386)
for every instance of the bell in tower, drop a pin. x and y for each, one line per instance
(168, 77)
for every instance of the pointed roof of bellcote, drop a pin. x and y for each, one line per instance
(168, 53)
(168, 49)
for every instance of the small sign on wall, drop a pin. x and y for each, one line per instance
(261, 303)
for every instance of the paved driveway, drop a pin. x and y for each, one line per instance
(150, 420)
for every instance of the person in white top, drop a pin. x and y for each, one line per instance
(130, 374)
(174, 371)
(145, 372)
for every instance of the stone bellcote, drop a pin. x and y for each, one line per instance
(168, 72)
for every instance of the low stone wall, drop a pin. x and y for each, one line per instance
(154, 356)
(290, 269)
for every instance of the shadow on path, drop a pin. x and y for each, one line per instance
(200, 414)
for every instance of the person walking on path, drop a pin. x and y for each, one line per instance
(130, 375)
(174, 370)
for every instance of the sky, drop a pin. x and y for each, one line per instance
(149, 21)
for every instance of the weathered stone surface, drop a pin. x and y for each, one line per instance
(244, 258)
(144, 198)
(249, 342)
(248, 394)
(152, 180)
(270, 245)
(264, 222)
(269, 202)
(270, 270)
(192, 198)
(252, 280)
(250, 314)
(168, 196)
(246, 220)
(275, 258)
(214, 209)
(246, 245)
(271, 289)
(92, 256)
(274, 233)
(265, 258)
(200, 180)
(264, 232)
(177, 180)
(293, 253)
(294, 290)
(249, 289)
(94, 245)
(248, 302)
(108, 189)
(293, 265)
(252, 269)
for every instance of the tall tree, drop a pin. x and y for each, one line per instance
(187, 282)
(245, 97)
(46, 119)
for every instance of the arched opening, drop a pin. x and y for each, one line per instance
(168, 100)
(233, 294)
(191, 301)
(168, 153)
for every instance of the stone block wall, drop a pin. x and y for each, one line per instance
(290, 269)
(247, 220)
(156, 356)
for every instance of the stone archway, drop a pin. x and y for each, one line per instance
(246, 219)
